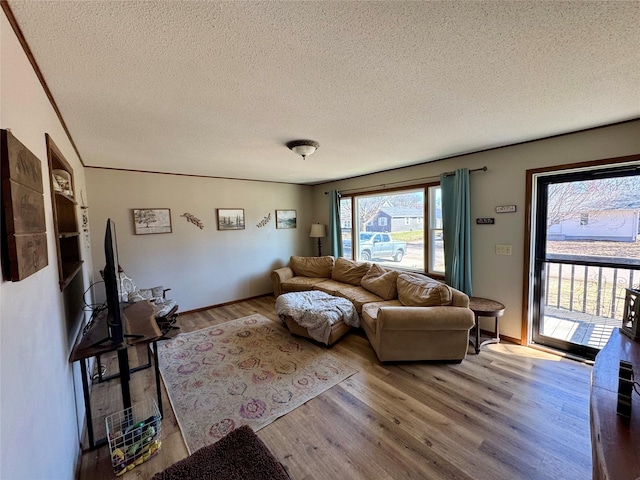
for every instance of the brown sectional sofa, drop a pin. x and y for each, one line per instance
(406, 316)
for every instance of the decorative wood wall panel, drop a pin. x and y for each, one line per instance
(24, 226)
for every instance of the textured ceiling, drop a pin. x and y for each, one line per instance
(218, 88)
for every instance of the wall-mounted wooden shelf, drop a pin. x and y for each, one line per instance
(65, 220)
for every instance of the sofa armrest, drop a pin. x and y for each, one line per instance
(459, 299)
(278, 276)
(425, 318)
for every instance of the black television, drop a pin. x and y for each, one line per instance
(114, 308)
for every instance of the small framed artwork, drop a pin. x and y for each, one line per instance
(230, 218)
(286, 219)
(151, 220)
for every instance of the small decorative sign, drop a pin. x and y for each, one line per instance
(506, 209)
(485, 221)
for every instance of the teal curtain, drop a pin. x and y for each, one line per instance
(335, 233)
(456, 226)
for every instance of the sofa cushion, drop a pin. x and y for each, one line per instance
(370, 312)
(381, 282)
(422, 292)
(300, 284)
(312, 266)
(331, 286)
(348, 271)
(358, 296)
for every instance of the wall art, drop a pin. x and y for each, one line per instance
(286, 219)
(151, 220)
(193, 219)
(264, 221)
(25, 251)
(230, 218)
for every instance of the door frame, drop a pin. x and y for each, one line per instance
(529, 237)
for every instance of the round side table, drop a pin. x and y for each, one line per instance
(484, 307)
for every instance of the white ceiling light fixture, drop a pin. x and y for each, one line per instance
(303, 147)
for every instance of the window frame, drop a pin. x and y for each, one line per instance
(425, 224)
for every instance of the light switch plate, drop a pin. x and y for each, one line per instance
(503, 249)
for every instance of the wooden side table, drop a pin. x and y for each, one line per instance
(484, 307)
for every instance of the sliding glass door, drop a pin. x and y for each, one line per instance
(587, 251)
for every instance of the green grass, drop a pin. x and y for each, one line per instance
(412, 236)
(591, 305)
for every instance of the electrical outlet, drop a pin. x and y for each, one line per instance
(503, 249)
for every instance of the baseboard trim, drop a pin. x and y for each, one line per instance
(202, 309)
(491, 333)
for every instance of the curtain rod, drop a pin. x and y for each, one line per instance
(483, 169)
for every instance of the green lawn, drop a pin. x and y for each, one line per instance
(413, 236)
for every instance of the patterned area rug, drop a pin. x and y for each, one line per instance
(249, 371)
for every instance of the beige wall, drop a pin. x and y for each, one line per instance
(38, 420)
(41, 408)
(202, 267)
(501, 277)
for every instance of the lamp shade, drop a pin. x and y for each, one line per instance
(304, 150)
(303, 147)
(318, 230)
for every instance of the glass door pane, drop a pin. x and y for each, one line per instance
(587, 251)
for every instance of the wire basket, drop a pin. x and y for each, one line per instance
(134, 435)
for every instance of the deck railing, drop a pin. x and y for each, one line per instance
(588, 288)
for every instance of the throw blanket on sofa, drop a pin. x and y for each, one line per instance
(317, 311)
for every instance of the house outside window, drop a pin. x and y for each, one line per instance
(389, 228)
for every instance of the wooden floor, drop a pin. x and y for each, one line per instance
(510, 412)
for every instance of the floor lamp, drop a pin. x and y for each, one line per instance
(318, 231)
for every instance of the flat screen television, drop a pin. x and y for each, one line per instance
(114, 308)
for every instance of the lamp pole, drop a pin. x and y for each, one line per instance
(318, 231)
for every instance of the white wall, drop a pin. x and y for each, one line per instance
(39, 427)
(501, 277)
(202, 267)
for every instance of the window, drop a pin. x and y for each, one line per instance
(402, 242)
(584, 219)
(436, 242)
(346, 222)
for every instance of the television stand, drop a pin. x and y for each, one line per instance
(116, 345)
(614, 438)
(140, 329)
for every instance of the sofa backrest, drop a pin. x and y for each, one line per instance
(458, 298)
(348, 271)
(315, 267)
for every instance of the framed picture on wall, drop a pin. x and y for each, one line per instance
(151, 220)
(286, 219)
(230, 218)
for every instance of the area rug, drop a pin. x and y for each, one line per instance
(249, 371)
